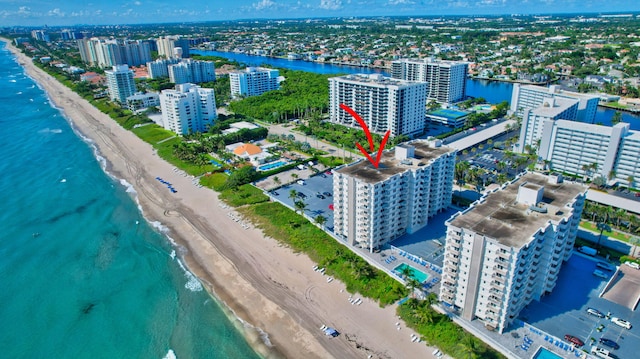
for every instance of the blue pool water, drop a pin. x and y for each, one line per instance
(271, 165)
(543, 353)
(415, 274)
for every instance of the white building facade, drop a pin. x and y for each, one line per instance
(535, 120)
(160, 67)
(192, 71)
(446, 80)
(383, 103)
(507, 249)
(142, 101)
(188, 109)
(531, 97)
(120, 83)
(373, 206)
(253, 81)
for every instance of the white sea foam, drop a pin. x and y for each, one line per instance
(50, 130)
(19, 93)
(128, 186)
(193, 283)
(12, 80)
(63, 180)
(173, 254)
(170, 355)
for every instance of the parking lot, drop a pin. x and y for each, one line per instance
(316, 192)
(564, 310)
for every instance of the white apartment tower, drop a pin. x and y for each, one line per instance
(168, 47)
(120, 83)
(534, 120)
(188, 109)
(614, 151)
(530, 97)
(446, 80)
(508, 247)
(383, 103)
(373, 206)
(192, 71)
(160, 67)
(253, 81)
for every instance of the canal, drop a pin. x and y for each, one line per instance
(492, 91)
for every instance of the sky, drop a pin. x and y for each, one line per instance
(112, 12)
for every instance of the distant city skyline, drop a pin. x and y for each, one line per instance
(76, 12)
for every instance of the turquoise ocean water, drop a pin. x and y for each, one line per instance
(83, 275)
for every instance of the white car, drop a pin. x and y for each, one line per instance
(621, 322)
(633, 265)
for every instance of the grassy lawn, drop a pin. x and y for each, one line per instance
(245, 194)
(214, 180)
(621, 236)
(153, 133)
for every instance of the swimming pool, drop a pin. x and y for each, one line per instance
(271, 165)
(543, 353)
(415, 274)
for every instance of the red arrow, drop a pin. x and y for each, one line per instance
(367, 133)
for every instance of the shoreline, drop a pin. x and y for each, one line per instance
(260, 281)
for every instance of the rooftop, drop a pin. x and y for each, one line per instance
(448, 113)
(498, 216)
(390, 165)
(553, 108)
(375, 80)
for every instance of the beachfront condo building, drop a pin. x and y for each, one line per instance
(141, 101)
(373, 206)
(531, 97)
(188, 109)
(533, 120)
(446, 80)
(172, 47)
(192, 71)
(40, 35)
(383, 103)
(587, 150)
(120, 83)
(160, 67)
(111, 52)
(507, 249)
(253, 81)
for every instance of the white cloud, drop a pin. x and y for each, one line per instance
(56, 12)
(401, 2)
(330, 4)
(491, 2)
(137, 3)
(264, 4)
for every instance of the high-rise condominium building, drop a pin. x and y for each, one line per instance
(188, 109)
(383, 103)
(112, 52)
(192, 71)
(533, 120)
(160, 67)
(507, 248)
(120, 83)
(373, 206)
(610, 152)
(167, 47)
(253, 81)
(446, 80)
(530, 97)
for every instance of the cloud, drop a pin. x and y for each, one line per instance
(491, 2)
(264, 4)
(137, 3)
(56, 12)
(401, 2)
(331, 4)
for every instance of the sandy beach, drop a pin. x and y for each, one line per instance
(265, 284)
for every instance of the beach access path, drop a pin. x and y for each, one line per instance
(264, 283)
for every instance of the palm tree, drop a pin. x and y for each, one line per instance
(276, 180)
(406, 272)
(320, 220)
(468, 348)
(617, 117)
(631, 181)
(412, 284)
(602, 227)
(293, 194)
(300, 206)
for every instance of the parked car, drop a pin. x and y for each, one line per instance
(621, 322)
(601, 352)
(595, 312)
(300, 182)
(601, 274)
(320, 196)
(574, 340)
(328, 194)
(605, 266)
(633, 265)
(610, 343)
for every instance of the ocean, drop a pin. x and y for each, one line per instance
(84, 275)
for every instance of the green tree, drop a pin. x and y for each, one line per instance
(300, 206)
(243, 175)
